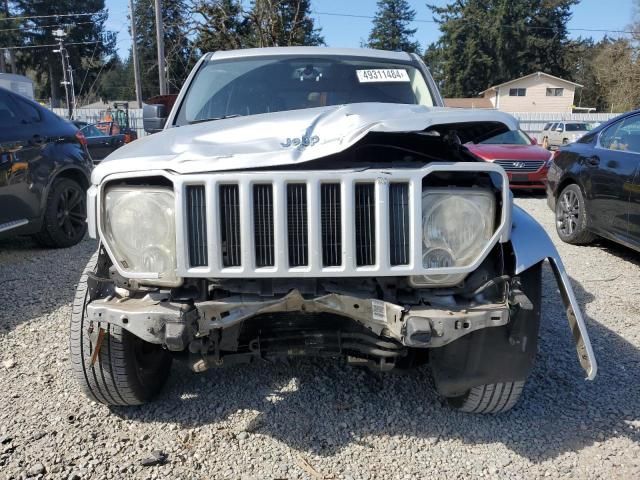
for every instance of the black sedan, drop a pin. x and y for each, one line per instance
(99, 143)
(593, 185)
(44, 173)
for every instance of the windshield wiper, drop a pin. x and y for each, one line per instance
(214, 118)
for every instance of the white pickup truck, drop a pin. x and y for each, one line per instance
(313, 201)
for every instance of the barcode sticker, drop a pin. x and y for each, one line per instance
(383, 75)
(378, 310)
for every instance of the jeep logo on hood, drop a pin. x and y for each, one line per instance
(300, 142)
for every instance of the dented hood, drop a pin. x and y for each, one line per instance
(271, 139)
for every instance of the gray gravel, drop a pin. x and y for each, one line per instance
(320, 419)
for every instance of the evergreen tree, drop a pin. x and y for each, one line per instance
(391, 27)
(487, 42)
(579, 60)
(223, 27)
(179, 51)
(116, 82)
(282, 23)
(87, 42)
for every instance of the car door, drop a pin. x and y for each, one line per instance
(19, 147)
(610, 175)
(557, 134)
(631, 134)
(98, 143)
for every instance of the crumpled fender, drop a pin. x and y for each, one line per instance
(531, 245)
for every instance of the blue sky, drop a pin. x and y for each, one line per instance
(349, 32)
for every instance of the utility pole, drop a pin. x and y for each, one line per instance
(60, 34)
(160, 42)
(73, 88)
(134, 51)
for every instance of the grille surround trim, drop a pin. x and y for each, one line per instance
(313, 178)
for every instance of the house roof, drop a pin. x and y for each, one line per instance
(538, 74)
(476, 102)
(15, 78)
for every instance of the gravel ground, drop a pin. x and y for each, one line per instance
(321, 419)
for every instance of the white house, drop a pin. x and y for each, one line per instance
(537, 92)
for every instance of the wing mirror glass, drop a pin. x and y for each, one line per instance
(154, 117)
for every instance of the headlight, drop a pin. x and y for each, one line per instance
(139, 228)
(457, 224)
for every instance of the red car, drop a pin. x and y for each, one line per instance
(525, 162)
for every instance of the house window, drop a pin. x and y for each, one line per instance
(517, 92)
(555, 92)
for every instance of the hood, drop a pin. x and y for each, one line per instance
(286, 138)
(510, 152)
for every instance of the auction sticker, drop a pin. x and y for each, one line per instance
(383, 75)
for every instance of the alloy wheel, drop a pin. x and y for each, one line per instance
(569, 213)
(71, 212)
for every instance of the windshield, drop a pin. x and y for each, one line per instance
(577, 127)
(512, 137)
(92, 131)
(250, 86)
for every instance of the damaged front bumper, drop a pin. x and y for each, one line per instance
(155, 319)
(386, 329)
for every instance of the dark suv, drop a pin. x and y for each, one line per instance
(44, 172)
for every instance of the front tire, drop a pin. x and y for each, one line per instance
(571, 216)
(501, 357)
(127, 371)
(492, 398)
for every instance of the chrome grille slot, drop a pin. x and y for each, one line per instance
(399, 233)
(520, 166)
(365, 224)
(230, 225)
(297, 225)
(263, 225)
(197, 225)
(331, 224)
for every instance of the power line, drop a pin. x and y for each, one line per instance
(45, 27)
(530, 27)
(49, 45)
(53, 16)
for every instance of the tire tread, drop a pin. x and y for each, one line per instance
(112, 380)
(492, 398)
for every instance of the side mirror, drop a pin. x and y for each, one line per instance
(559, 129)
(534, 141)
(153, 118)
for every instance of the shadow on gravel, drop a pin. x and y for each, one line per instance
(36, 281)
(532, 193)
(620, 251)
(322, 406)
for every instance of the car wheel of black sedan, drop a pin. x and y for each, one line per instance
(571, 217)
(65, 215)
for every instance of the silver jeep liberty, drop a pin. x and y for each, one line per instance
(313, 201)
